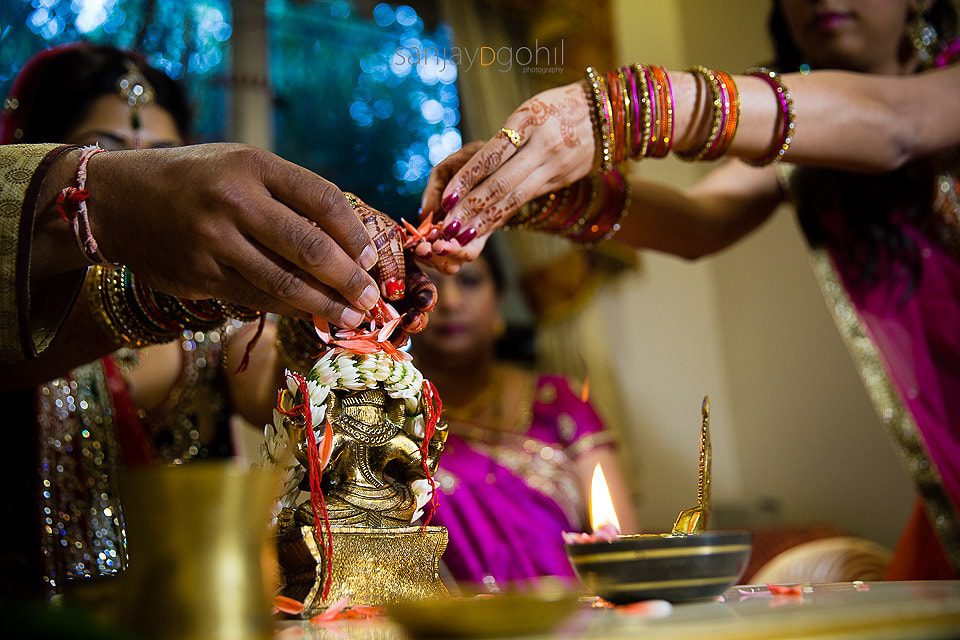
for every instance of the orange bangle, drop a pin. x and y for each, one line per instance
(662, 141)
(617, 111)
(731, 109)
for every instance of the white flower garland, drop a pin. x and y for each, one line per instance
(341, 370)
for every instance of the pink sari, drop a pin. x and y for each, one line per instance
(904, 335)
(908, 354)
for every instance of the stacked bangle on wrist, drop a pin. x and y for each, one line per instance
(138, 315)
(587, 211)
(298, 344)
(631, 108)
(786, 116)
(725, 100)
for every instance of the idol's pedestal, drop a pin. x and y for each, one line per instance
(370, 566)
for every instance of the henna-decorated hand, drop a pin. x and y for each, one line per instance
(401, 281)
(477, 190)
(420, 301)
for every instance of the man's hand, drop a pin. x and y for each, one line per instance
(237, 223)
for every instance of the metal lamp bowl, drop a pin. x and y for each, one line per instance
(676, 568)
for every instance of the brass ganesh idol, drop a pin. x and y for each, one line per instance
(374, 463)
(375, 485)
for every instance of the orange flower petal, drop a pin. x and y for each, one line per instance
(283, 604)
(332, 611)
(327, 447)
(785, 589)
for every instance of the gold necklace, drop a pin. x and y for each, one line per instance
(482, 402)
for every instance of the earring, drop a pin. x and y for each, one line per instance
(923, 36)
(499, 328)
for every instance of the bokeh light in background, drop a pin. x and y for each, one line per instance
(351, 108)
(187, 39)
(347, 105)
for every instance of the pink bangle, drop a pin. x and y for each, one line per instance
(636, 114)
(72, 207)
(786, 120)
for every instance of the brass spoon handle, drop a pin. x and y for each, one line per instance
(695, 520)
(706, 455)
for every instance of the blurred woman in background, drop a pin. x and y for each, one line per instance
(522, 446)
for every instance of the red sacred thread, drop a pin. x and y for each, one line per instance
(317, 503)
(433, 406)
(245, 361)
(74, 197)
(72, 207)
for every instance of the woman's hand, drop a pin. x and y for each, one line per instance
(556, 148)
(237, 223)
(402, 282)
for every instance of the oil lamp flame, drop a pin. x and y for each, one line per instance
(602, 514)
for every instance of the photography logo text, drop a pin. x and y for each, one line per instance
(533, 59)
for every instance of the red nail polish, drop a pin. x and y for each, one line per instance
(450, 201)
(467, 236)
(394, 289)
(451, 230)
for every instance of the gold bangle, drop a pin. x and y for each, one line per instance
(601, 122)
(627, 112)
(94, 293)
(137, 316)
(297, 349)
(716, 90)
(113, 309)
(646, 132)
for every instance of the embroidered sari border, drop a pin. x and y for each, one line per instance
(890, 408)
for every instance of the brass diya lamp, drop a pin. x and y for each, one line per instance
(689, 563)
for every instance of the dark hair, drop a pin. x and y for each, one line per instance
(491, 254)
(68, 83)
(518, 342)
(874, 208)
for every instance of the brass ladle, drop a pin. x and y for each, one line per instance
(695, 520)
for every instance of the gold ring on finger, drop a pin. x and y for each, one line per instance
(514, 137)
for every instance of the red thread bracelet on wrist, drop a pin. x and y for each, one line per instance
(72, 207)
